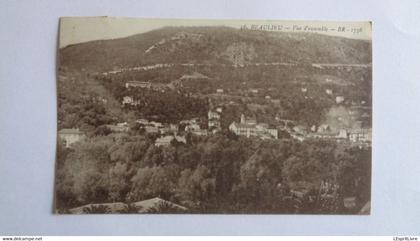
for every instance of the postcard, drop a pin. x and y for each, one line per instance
(213, 116)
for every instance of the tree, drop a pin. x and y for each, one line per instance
(154, 181)
(96, 209)
(118, 185)
(102, 130)
(197, 185)
(85, 172)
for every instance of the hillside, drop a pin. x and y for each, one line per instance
(213, 45)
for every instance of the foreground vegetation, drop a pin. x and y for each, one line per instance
(215, 174)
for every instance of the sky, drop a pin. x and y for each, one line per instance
(75, 30)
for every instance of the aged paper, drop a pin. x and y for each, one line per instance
(213, 116)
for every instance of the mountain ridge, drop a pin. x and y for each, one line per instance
(213, 45)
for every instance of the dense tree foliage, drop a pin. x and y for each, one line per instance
(215, 174)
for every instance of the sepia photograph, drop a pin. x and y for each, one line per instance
(173, 116)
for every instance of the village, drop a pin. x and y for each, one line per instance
(346, 126)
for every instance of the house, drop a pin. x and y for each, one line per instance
(200, 132)
(349, 202)
(342, 134)
(151, 129)
(300, 129)
(213, 115)
(173, 127)
(297, 136)
(151, 126)
(192, 127)
(166, 140)
(70, 136)
(329, 91)
(128, 100)
(339, 99)
(142, 121)
(188, 122)
(248, 120)
(360, 135)
(156, 124)
(324, 128)
(241, 129)
(219, 91)
(214, 119)
(249, 127)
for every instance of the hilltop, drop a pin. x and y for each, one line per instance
(213, 45)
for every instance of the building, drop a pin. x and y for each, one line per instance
(189, 122)
(248, 120)
(138, 84)
(342, 134)
(339, 99)
(128, 100)
(142, 121)
(167, 129)
(156, 124)
(166, 140)
(329, 91)
(303, 130)
(349, 202)
(192, 127)
(151, 129)
(360, 135)
(70, 136)
(249, 127)
(219, 91)
(214, 119)
(213, 115)
(324, 128)
(200, 132)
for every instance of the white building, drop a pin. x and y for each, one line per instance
(361, 135)
(128, 100)
(138, 84)
(250, 127)
(213, 115)
(214, 119)
(339, 99)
